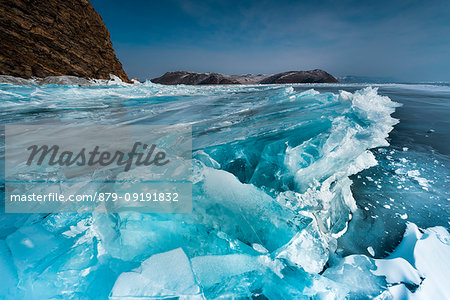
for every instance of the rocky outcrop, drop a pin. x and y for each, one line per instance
(193, 78)
(250, 78)
(313, 76)
(53, 38)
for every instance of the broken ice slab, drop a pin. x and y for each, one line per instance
(353, 276)
(244, 211)
(33, 247)
(308, 249)
(212, 269)
(172, 274)
(161, 276)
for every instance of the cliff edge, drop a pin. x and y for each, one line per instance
(55, 37)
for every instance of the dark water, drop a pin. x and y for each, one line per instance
(419, 142)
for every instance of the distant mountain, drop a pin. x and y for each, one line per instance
(313, 76)
(193, 78)
(249, 78)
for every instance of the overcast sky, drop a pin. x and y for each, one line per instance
(406, 40)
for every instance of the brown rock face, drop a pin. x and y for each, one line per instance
(312, 76)
(55, 37)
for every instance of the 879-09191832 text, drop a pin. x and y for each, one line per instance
(100, 197)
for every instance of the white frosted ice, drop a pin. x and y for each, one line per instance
(415, 174)
(397, 270)
(163, 275)
(422, 259)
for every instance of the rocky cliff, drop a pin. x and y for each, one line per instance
(192, 78)
(55, 37)
(313, 76)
